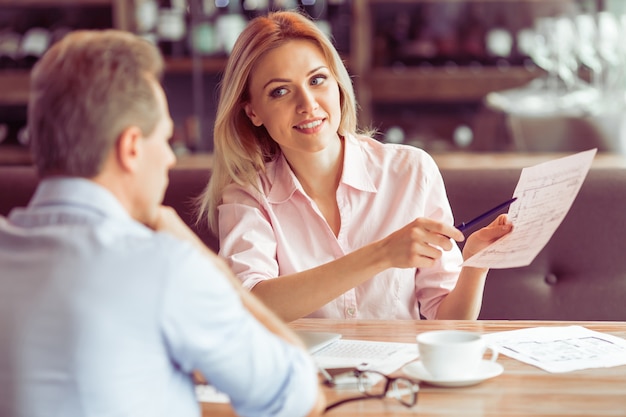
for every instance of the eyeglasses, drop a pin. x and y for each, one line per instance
(402, 389)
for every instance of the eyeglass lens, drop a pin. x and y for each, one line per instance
(402, 389)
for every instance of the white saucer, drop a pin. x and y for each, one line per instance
(488, 369)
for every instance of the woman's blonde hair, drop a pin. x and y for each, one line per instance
(240, 148)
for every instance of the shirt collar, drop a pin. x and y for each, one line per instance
(282, 180)
(355, 174)
(79, 193)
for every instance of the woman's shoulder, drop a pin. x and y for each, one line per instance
(257, 188)
(239, 193)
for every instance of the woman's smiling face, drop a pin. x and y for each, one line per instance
(295, 96)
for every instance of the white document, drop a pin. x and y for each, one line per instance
(384, 357)
(560, 349)
(545, 193)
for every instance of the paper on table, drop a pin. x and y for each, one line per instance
(384, 357)
(380, 356)
(560, 349)
(545, 193)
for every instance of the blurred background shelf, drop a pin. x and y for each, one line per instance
(443, 85)
(414, 81)
(185, 65)
(14, 155)
(51, 3)
(14, 87)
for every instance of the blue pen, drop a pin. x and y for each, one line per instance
(467, 225)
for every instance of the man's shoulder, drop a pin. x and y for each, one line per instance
(170, 247)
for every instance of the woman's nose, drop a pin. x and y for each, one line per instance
(307, 101)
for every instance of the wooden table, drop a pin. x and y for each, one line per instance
(522, 390)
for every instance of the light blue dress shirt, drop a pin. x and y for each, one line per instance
(101, 316)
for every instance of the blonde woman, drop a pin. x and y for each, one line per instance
(316, 218)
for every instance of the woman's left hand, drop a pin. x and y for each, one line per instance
(487, 235)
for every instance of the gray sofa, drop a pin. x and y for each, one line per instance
(579, 275)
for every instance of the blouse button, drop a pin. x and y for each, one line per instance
(351, 311)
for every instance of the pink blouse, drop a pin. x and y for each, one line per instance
(280, 230)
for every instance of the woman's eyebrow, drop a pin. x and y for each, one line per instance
(285, 80)
(276, 80)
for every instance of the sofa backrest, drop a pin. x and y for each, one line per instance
(186, 184)
(579, 275)
(17, 184)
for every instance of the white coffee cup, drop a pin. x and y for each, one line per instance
(452, 354)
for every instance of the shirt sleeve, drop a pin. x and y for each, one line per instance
(247, 239)
(434, 283)
(208, 329)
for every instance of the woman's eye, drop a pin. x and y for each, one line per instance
(318, 79)
(278, 92)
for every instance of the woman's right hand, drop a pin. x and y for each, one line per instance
(420, 243)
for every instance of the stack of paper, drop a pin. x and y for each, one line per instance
(561, 349)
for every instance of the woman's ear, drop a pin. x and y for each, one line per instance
(252, 115)
(128, 148)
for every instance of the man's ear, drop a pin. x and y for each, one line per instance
(252, 115)
(128, 148)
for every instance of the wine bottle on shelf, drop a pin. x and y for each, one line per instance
(34, 43)
(10, 138)
(499, 43)
(254, 8)
(285, 4)
(519, 24)
(58, 32)
(192, 132)
(230, 22)
(411, 41)
(67, 20)
(315, 9)
(4, 132)
(9, 49)
(318, 11)
(472, 35)
(146, 19)
(340, 19)
(208, 8)
(524, 44)
(202, 39)
(171, 28)
(23, 137)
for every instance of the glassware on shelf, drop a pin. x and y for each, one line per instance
(563, 46)
(9, 48)
(172, 28)
(229, 23)
(581, 101)
(34, 43)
